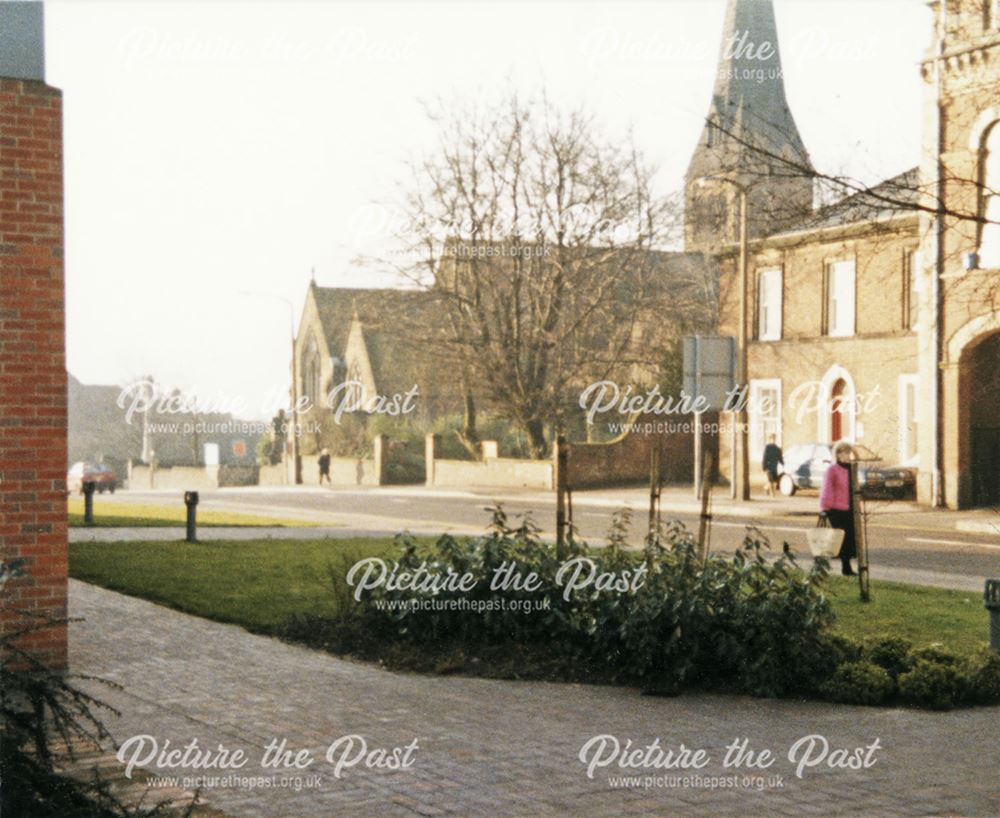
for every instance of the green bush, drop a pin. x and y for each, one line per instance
(742, 623)
(980, 673)
(862, 682)
(936, 653)
(891, 653)
(829, 652)
(932, 684)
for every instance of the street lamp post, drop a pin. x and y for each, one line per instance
(296, 457)
(740, 484)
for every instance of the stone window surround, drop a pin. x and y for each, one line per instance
(824, 415)
(905, 444)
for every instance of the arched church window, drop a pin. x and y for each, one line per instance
(311, 372)
(989, 241)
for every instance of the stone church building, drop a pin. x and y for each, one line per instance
(873, 319)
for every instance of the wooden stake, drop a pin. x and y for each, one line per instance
(704, 523)
(654, 488)
(562, 461)
(860, 535)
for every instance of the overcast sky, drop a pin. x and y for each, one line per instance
(217, 148)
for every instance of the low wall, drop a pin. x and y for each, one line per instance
(182, 478)
(500, 472)
(491, 471)
(626, 459)
(273, 475)
(239, 475)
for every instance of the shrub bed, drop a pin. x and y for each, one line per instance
(659, 618)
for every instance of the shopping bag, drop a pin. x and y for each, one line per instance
(823, 540)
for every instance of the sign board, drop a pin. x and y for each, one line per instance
(211, 454)
(710, 368)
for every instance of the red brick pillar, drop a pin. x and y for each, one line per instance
(32, 366)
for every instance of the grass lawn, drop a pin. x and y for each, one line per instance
(135, 515)
(260, 584)
(257, 584)
(920, 614)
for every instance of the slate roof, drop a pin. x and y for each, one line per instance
(895, 196)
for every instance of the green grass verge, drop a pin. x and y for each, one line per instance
(257, 584)
(915, 612)
(260, 584)
(109, 514)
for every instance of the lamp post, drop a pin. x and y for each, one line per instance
(296, 457)
(740, 484)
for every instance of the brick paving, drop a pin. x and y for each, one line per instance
(498, 748)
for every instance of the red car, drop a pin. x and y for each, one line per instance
(103, 477)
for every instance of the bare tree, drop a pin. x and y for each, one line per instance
(535, 240)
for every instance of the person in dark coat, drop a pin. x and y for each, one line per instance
(324, 466)
(836, 501)
(773, 460)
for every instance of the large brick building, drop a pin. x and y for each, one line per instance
(32, 341)
(960, 324)
(850, 307)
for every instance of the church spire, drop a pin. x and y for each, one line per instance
(749, 135)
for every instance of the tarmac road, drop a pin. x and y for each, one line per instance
(901, 536)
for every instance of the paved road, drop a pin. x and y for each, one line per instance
(902, 537)
(490, 748)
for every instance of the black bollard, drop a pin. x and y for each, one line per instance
(191, 501)
(88, 502)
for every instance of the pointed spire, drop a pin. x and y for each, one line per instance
(749, 131)
(749, 99)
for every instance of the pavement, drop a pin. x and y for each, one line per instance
(496, 748)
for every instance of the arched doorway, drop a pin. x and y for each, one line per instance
(980, 371)
(838, 410)
(836, 416)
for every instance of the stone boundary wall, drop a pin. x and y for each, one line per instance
(492, 471)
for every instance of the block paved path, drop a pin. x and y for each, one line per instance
(498, 748)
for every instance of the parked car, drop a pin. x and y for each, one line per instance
(806, 465)
(101, 475)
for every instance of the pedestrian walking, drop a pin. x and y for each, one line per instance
(324, 466)
(836, 501)
(771, 464)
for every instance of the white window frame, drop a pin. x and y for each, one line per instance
(758, 434)
(770, 302)
(905, 382)
(840, 297)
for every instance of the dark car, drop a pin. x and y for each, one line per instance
(102, 476)
(806, 465)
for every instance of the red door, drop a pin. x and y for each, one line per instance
(838, 411)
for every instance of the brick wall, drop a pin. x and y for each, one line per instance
(32, 364)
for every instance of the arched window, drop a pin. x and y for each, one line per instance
(989, 240)
(311, 373)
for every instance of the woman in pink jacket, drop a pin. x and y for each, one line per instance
(835, 501)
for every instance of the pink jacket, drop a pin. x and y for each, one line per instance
(836, 492)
